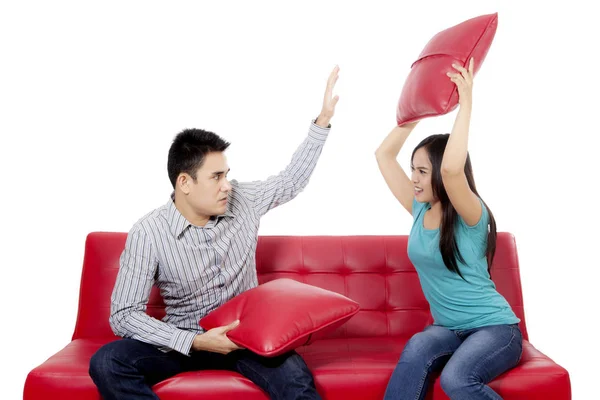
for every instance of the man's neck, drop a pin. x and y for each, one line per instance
(189, 214)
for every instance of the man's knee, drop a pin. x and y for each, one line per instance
(298, 379)
(106, 360)
(289, 366)
(283, 377)
(99, 363)
(296, 366)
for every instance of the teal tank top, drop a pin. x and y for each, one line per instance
(454, 302)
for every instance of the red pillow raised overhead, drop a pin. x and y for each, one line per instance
(281, 315)
(427, 90)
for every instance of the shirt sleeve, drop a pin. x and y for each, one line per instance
(279, 189)
(482, 224)
(418, 207)
(128, 318)
(478, 232)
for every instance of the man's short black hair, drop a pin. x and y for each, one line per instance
(189, 149)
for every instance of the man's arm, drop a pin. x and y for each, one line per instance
(128, 318)
(281, 188)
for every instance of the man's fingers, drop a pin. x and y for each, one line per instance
(328, 101)
(334, 73)
(333, 81)
(334, 101)
(231, 326)
(333, 77)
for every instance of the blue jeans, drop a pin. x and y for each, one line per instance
(127, 369)
(470, 359)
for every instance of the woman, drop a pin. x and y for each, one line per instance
(475, 336)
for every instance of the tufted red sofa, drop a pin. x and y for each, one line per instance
(354, 362)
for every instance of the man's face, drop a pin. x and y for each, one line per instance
(207, 196)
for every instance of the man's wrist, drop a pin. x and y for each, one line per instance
(322, 121)
(198, 343)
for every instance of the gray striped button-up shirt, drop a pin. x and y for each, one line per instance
(196, 268)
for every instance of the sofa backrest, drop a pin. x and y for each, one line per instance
(373, 270)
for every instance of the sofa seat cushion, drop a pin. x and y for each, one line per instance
(370, 362)
(352, 368)
(344, 368)
(209, 385)
(65, 375)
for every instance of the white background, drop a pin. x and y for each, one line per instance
(92, 94)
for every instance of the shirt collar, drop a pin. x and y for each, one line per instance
(177, 222)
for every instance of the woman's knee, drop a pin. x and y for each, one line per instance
(452, 380)
(428, 345)
(421, 342)
(417, 348)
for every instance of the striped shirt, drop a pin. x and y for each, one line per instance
(198, 268)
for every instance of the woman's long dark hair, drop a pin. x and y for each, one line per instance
(435, 146)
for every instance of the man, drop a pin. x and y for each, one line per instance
(199, 249)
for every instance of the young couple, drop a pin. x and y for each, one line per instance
(199, 249)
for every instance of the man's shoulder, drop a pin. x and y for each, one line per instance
(151, 222)
(241, 193)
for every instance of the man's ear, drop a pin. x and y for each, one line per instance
(184, 181)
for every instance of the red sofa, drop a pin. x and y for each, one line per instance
(354, 362)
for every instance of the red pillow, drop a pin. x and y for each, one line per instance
(281, 315)
(428, 91)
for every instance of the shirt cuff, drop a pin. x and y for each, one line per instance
(182, 340)
(317, 133)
